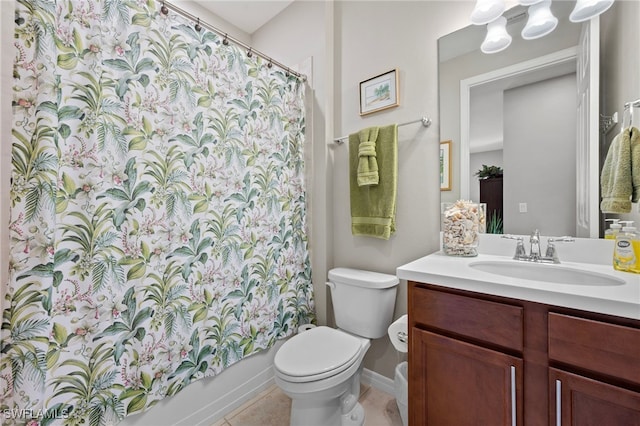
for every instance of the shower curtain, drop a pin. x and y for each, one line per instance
(157, 210)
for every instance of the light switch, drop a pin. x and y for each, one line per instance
(523, 207)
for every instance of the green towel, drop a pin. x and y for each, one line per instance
(615, 180)
(373, 207)
(634, 142)
(367, 164)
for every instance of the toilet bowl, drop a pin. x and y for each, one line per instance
(319, 369)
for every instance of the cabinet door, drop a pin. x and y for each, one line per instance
(459, 384)
(577, 400)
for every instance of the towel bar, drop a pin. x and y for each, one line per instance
(426, 122)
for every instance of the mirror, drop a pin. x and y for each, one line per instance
(527, 123)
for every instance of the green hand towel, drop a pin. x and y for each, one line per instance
(367, 164)
(634, 141)
(616, 179)
(373, 207)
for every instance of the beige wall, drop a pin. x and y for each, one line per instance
(540, 151)
(372, 37)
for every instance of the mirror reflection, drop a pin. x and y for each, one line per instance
(520, 110)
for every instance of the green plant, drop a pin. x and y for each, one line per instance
(495, 224)
(487, 172)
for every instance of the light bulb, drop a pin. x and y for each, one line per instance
(587, 9)
(497, 38)
(486, 11)
(528, 2)
(541, 21)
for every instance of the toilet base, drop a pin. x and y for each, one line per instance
(355, 417)
(309, 413)
(336, 406)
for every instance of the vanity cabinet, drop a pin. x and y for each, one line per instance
(602, 353)
(477, 359)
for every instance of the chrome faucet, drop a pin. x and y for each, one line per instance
(551, 254)
(534, 251)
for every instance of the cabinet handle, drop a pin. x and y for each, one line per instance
(558, 403)
(513, 396)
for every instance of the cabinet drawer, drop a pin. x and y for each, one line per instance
(604, 348)
(487, 321)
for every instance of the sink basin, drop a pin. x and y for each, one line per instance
(558, 274)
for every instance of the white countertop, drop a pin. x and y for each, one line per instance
(455, 272)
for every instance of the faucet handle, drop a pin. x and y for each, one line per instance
(565, 239)
(521, 253)
(552, 253)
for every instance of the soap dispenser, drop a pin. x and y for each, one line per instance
(614, 229)
(627, 249)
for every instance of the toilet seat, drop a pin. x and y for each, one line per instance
(316, 354)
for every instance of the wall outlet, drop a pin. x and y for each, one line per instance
(522, 207)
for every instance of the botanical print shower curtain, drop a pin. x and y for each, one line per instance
(157, 210)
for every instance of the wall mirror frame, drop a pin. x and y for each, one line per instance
(585, 219)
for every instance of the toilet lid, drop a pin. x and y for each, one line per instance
(316, 351)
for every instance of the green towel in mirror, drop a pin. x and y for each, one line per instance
(615, 180)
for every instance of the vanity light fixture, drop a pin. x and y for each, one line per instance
(486, 11)
(497, 38)
(587, 9)
(541, 21)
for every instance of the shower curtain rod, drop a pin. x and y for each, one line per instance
(227, 38)
(426, 122)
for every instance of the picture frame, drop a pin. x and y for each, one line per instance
(445, 166)
(379, 93)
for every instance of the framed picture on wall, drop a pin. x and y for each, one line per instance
(445, 166)
(379, 92)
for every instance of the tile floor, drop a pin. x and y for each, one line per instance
(271, 408)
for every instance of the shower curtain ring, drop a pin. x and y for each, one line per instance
(198, 27)
(270, 64)
(225, 41)
(164, 9)
(249, 53)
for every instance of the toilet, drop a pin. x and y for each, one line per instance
(319, 369)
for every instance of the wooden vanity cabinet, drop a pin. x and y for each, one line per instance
(465, 360)
(476, 359)
(596, 379)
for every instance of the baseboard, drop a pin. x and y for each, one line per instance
(232, 399)
(377, 381)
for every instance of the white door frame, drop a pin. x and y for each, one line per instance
(560, 57)
(552, 59)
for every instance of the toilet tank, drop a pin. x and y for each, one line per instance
(363, 301)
